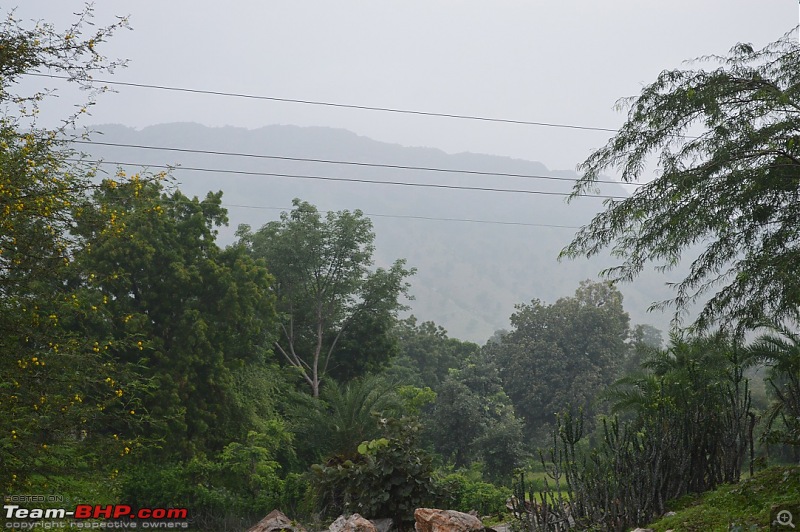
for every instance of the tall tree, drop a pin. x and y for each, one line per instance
(326, 290)
(473, 419)
(199, 314)
(427, 354)
(561, 355)
(727, 143)
(50, 388)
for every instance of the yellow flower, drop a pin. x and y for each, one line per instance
(133, 412)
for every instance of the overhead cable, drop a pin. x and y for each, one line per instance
(335, 104)
(351, 163)
(415, 217)
(349, 180)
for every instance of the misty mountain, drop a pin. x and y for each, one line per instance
(471, 272)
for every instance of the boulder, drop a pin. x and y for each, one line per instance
(432, 520)
(275, 521)
(354, 523)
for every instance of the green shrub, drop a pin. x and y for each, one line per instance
(192, 485)
(239, 488)
(458, 492)
(389, 477)
(297, 499)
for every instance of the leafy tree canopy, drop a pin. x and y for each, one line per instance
(561, 355)
(473, 419)
(427, 354)
(198, 314)
(326, 291)
(732, 190)
(53, 400)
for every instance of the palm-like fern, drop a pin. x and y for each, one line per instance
(345, 414)
(779, 350)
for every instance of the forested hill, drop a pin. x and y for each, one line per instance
(470, 273)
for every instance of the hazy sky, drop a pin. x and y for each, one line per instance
(556, 61)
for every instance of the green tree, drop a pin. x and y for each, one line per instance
(426, 354)
(197, 315)
(561, 355)
(728, 152)
(473, 420)
(50, 386)
(644, 341)
(326, 291)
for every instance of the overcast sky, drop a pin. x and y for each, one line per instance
(556, 61)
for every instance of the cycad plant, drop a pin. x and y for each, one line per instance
(779, 350)
(345, 415)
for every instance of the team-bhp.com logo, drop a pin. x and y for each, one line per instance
(94, 516)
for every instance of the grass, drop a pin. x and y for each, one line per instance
(535, 482)
(744, 506)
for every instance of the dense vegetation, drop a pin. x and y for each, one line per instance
(142, 363)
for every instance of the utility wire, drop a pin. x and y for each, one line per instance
(348, 180)
(414, 217)
(351, 163)
(334, 104)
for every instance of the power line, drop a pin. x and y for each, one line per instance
(351, 163)
(415, 217)
(348, 180)
(335, 104)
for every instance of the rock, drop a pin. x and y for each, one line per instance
(274, 521)
(432, 520)
(642, 530)
(669, 514)
(354, 523)
(383, 525)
